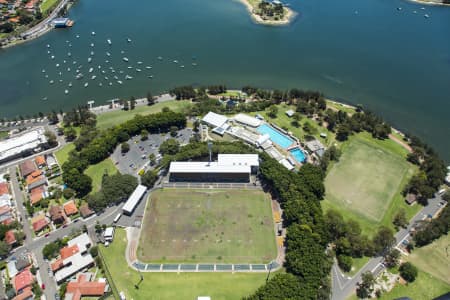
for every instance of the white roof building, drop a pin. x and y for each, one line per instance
(84, 240)
(21, 143)
(286, 164)
(214, 120)
(290, 113)
(134, 199)
(251, 160)
(206, 167)
(108, 235)
(247, 120)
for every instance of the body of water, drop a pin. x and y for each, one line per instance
(367, 52)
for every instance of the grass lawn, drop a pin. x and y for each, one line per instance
(366, 183)
(230, 93)
(112, 118)
(172, 285)
(357, 264)
(283, 121)
(96, 173)
(63, 154)
(47, 4)
(434, 258)
(3, 134)
(339, 106)
(233, 226)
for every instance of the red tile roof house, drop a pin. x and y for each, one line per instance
(37, 194)
(39, 223)
(40, 161)
(85, 211)
(4, 189)
(27, 167)
(56, 214)
(23, 280)
(84, 287)
(27, 294)
(10, 237)
(70, 208)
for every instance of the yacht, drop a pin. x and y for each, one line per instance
(51, 81)
(93, 77)
(125, 59)
(108, 54)
(128, 77)
(79, 76)
(66, 92)
(89, 59)
(119, 82)
(91, 69)
(109, 41)
(130, 67)
(426, 16)
(93, 32)
(52, 57)
(148, 67)
(139, 62)
(138, 70)
(70, 84)
(92, 53)
(128, 40)
(86, 84)
(43, 70)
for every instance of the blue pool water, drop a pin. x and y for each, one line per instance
(298, 154)
(275, 136)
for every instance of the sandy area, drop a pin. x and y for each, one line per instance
(289, 16)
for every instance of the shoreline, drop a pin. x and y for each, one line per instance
(429, 3)
(288, 18)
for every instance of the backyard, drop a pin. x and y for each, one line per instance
(112, 118)
(231, 226)
(172, 285)
(367, 181)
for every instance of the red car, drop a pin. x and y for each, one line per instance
(43, 286)
(47, 234)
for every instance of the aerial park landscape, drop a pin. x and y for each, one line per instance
(245, 150)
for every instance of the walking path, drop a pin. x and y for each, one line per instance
(401, 143)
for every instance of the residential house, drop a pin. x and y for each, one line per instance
(10, 238)
(70, 208)
(4, 188)
(22, 262)
(83, 286)
(56, 214)
(51, 161)
(27, 294)
(33, 176)
(27, 167)
(37, 194)
(5, 199)
(6, 216)
(37, 182)
(85, 211)
(39, 223)
(40, 161)
(23, 280)
(73, 258)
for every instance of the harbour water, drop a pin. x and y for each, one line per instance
(367, 52)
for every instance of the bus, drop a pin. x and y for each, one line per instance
(117, 217)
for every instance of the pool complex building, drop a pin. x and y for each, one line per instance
(275, 136)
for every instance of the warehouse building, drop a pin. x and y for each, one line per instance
(228, 168)
(22, 145)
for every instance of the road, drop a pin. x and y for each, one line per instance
(343, 286)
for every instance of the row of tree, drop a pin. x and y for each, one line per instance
(430, 231)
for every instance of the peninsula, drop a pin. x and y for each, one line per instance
(269, 12)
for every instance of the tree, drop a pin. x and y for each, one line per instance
(4, 249)
(344, 262)
(384, 239)
(152, 158)
(170, 146)
(51, 139)
(150, 99)
(132, 102)
(391, 258)
(173, 131)
(149, 178)
(144, 135)
(70, 133)
(365, 287)
(126, 105)
(400, 219)
(408, 271)
(68, 193)
(272, 111)
(6, 27)
(94, 251)
(124, 147)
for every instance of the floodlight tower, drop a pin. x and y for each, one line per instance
(210, 144)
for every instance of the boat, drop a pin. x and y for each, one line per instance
(51, 81)
(43, 70)
(139, 62)
(89, 59)
(68, 69)
(119, 82)
(130, 67)
(60, 73)
(45, 98)
(91, 69)
(92, 44)
(74, 62)
(106, 77)
(426, 16)
(194, 64)
(110, 83)
(112, 71)
(128, 77)
(86, 84)
(99, 67)
(69, 54)
(399, 8)
(46, 76)
(92, 52)
(125, 59)
(64, 61)
(128, 40)
(103, 72)
(77, 71)
(66, 92)
(175, 61)
(70, 45)
(57, 65)
(93, 77)
(60, 80)
(79, 76)
(148, 67)
(160, 58)
(109, 41)
(121, 72)
(48, 46)
(70, 84)
(138, 70)
(48, 52)
(100, 84)
(80, 66)
(115, 77)
(108, 54)
(150, 76)
(106, 61)
(93, 32)
(182, 66)
(122, 52)
(52, 57)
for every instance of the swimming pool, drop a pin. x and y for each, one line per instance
(298, 154)
(275, 136)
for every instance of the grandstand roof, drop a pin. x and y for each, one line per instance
(247, 120)
(214, 120)
(206, 167)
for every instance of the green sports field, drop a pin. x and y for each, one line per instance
(232, 226)
(155, 286)
(366, 182)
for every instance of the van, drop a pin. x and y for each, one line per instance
(441, 192)
(117, 217)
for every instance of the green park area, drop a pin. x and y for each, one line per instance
(172, 285)
(47, 4)
(109, 119)
(231, 226)
(97, 171)
(366, 183)
(62, 155)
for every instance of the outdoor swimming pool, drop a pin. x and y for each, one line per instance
(298, 154)
(275, 136)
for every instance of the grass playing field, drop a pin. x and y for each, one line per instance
(224, 286)
(365, 179)
(116, 117)
(233, 226)
(434, 258)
